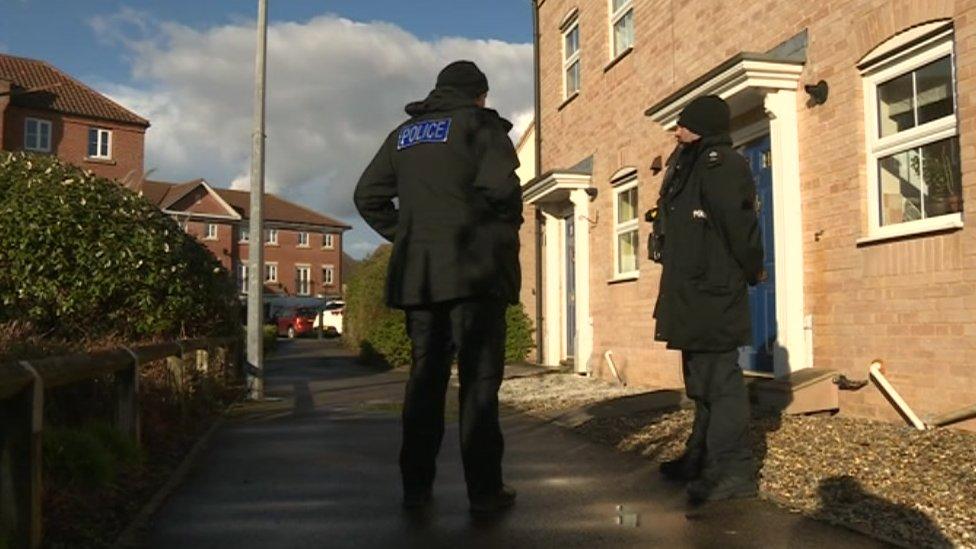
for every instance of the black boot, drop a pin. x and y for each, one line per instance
(684, 469)
(491, 503)
(728, 486)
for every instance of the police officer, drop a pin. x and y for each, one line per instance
(711, 250)
(454, 269)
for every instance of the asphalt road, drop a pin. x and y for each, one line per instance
(319, 469)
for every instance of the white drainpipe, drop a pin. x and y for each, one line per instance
(889, 392)
(608, 356)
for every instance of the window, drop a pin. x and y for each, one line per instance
(37, 135)
(271, 272)
(99, 143)
(914, 175)
(303, 239)
(328, 275)
(211, 231)
(244, 233)
(303, 280)
(328, 241)
(571, 60)
(625, 227)
(242, 277)
(271, 236)
(622, 26)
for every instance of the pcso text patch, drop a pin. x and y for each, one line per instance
(427, 131)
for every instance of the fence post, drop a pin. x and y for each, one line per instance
(127, 399)
(21, 426)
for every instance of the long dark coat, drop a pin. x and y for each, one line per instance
(454, 227)
(712, 250)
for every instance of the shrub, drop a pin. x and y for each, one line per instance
(76, 456)
(81, 257)
(518, 340)
(379, 333)
(270, 334)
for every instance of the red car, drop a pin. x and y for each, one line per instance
(296, 322)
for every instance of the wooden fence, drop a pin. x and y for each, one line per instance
(22, 386)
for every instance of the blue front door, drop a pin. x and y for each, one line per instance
(570, 287)
(762, 298)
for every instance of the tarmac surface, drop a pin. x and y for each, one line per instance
(319, 469)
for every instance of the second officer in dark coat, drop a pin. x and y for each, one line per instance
(454, 269)
(711, 252)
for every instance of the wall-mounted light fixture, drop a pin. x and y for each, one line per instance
(818, 92)
(591, 192)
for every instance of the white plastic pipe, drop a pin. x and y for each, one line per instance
(876, 372)
(608, 356)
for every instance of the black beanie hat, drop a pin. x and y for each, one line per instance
(465, 77)
(706, 115)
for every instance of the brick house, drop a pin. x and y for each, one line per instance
(302, 248)
(47, 111)
(862, 182)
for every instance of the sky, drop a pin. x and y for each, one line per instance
(339, 73)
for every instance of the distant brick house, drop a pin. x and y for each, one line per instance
(44, 110)
(302, 248)
(862, 184)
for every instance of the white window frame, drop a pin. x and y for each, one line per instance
(307, 281)
(879, 72)
(102, 134)
(242, 277)
(271, 237)
(616, 17)
(271, 271)
(569, 27)
(37, 146)
(625, 181)
(328, 275)
(245, 233)
(328, 241)
(303, 239)
(210, 232)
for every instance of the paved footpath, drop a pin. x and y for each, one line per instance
(319, 470)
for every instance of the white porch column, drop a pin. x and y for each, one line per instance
(554, 324)
(584, 322)
(791, 354)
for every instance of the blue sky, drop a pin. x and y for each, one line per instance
(339, 75)
(58, 30)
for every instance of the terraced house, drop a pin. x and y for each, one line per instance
(302, 248)
(858, 118)
(44, 110)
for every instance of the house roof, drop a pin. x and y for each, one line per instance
(276, 209)
(39, 85)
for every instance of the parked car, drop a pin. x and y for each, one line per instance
(332, 317)
(296, 322)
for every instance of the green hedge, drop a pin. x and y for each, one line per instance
(82, 258)
(379, 333)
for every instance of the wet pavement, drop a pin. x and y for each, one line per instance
(319, 469)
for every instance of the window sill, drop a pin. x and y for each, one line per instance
(94, 160)
(214, 239)
(328, 247)
(271, 244)
(619, 58)
(621, 279)
(303, 247)
(567, 101)
(951, 222)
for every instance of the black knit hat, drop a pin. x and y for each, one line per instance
(465, 77)
(706, 115)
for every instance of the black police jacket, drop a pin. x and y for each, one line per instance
(712, 250)
(455, 224)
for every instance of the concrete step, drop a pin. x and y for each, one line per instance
(806, 391)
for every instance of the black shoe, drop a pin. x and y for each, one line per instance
(725, 487)
(492, 503)
(683, 469)
(416, 499)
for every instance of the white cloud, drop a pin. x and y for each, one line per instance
(335, 89)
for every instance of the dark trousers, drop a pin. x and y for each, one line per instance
(474, 332)
(720, 432)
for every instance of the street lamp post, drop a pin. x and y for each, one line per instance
(255, 271)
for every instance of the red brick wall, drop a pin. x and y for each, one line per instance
(911, 302)
(200, 201)
(4, 101)
(288, 254)
(69, 141)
